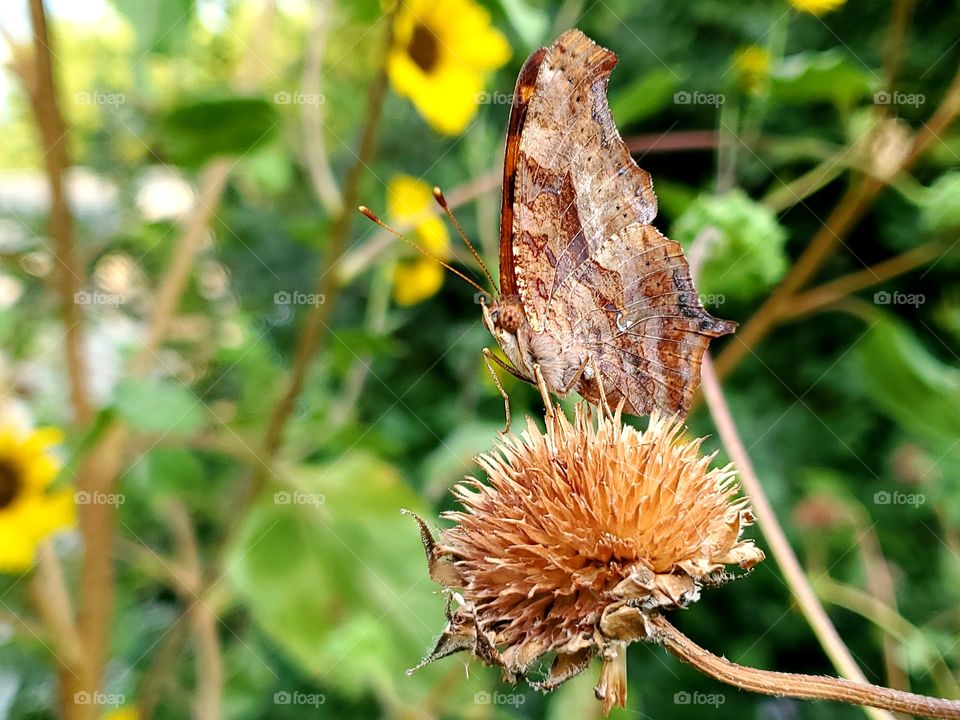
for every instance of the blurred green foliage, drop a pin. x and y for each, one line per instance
(325, 591)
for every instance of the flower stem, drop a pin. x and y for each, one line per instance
(780, 548)
(808, 687)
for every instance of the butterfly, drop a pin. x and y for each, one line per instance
(592, 297)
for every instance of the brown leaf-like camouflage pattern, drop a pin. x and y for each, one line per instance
(597, 284)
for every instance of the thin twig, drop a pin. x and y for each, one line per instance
(54, 142)
(894, 42)
(780, 548)
(328, 285)
(213, 181)
(48, 588)
(852, 206)
(311, 114)
(203, 619)
(834, 290)
(895, 627)
(808, 687)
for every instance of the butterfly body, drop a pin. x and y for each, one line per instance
(587, 285)
(527, 349)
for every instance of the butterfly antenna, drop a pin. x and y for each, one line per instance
(372, 216)
(442, 202)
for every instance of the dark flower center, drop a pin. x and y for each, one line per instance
(9, 483)
(424, 49)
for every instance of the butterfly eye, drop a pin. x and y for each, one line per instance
(495, 316)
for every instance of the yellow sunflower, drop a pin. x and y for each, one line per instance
(441, 56)
(29, 510)
(417, 278)
(817, 7)
(752, 65)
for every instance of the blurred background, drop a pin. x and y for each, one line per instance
(220, 384)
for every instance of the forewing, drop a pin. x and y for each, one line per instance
(575, 183)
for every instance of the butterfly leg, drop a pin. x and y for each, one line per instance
(576, 376)
(604, 405)
(487, 356)
(544, 392)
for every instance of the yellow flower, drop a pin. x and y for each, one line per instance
(817, 7)
(441, 56)
(417, 278)
(752, 64)
(128, 712)
(29, 510)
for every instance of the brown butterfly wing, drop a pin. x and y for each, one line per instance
(584, 260)
(643, 321)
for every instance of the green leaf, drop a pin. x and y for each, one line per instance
(908, 384)
(198, 130)
(645, 96)
(530, 23)
(744, 245)
(940, 209)
(161, 27)
(454, 457)
(161, 406)
(829, 76)
(336, 576)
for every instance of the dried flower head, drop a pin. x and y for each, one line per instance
(576, 536)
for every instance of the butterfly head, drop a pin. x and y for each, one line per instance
(504, 315)
(504, 319)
